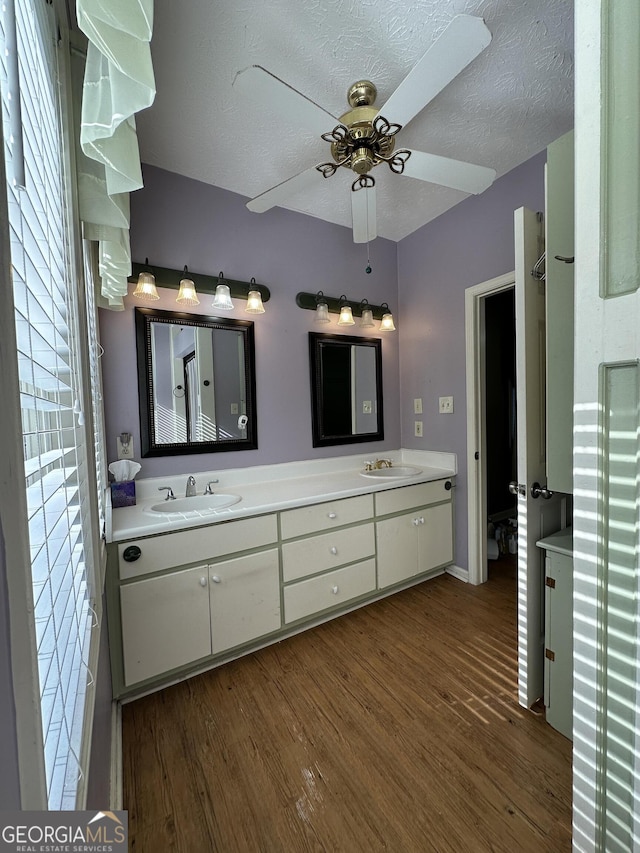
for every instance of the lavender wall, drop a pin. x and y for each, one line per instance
(9, 777)
(470, 244)
(177, 221)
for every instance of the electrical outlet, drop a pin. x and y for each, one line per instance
(366, 407)
(125, 448)
(446, 405)
(417, 428)
(417, 406)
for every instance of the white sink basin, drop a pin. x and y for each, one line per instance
(397, 472)
(198, 503)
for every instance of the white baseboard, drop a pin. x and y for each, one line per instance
(459, 573)
(115, 783)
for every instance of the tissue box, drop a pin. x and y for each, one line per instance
(123, 494)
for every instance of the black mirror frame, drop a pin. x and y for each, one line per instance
(316, 341)
(143, 319)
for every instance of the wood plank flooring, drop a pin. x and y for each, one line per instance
(394, 728)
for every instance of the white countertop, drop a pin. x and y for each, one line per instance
(560, 542)
(272, 490)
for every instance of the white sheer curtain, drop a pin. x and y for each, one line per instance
(118, 83)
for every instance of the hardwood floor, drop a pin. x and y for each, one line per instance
(393, 728)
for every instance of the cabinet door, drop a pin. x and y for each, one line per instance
(435, 537)
(245, 599)
(558, 662)
(165, 623)
(397, 548)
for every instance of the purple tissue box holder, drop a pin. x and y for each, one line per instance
(123, 494)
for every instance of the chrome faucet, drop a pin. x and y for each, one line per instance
(208, 490)
(191, 487)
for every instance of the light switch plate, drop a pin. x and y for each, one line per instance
(417, 429)
(417, 406)
(445, 405)
(366, 407)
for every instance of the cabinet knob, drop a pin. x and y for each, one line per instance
(333, 549)
(131, 553)
(421, 519)
(335, 590)
(332, 515)
(216, 578)
(203, 581)
(416, 522)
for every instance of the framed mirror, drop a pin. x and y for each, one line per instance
(346, 389)
(196, 383)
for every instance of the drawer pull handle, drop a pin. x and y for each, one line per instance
(335, 590)
(203, 581)
(333, 549)
(216, 578)
(332, 515)
(131, 553)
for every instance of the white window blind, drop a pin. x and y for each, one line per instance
(55, 458)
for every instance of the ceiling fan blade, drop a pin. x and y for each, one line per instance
(363, 215)
(262, 86)
(451, 52)
(284, 191)
(455, 174)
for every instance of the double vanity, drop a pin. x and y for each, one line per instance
(196, 581)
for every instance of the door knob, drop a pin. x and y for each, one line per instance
(538, 491)
(517, 489)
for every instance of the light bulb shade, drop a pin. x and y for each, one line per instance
(322, 313)
(346, 316)
(386, 324)
(222, 299)
(367, 318)
(254, 303)
(146, 287)
(187, 294)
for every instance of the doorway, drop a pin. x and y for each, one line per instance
(500, 428)
(491, 425)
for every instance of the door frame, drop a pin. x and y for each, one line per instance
(474, 310)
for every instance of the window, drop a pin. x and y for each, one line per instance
(55, 450)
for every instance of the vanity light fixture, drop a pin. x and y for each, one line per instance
(254, 301)
(222, 299)
(146, 286)
(187, 294)
(386, 324)
(346, 314)
(366, 317)
(322, 309)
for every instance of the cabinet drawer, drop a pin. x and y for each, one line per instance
(327, 551)
(402, 499)
(313, 595)
(201, 543)
(314, 519)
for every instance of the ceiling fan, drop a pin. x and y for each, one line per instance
(363, 138)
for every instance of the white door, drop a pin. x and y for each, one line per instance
(607, 428)
(538, 515)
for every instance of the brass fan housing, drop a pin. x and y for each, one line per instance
(359, 121)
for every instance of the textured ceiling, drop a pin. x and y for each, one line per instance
(506, 106)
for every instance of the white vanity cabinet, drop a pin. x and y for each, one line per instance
(417, 535)
(332, 560)
(165, 623)
(174, 619)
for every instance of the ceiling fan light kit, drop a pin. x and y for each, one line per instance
(363, 138)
